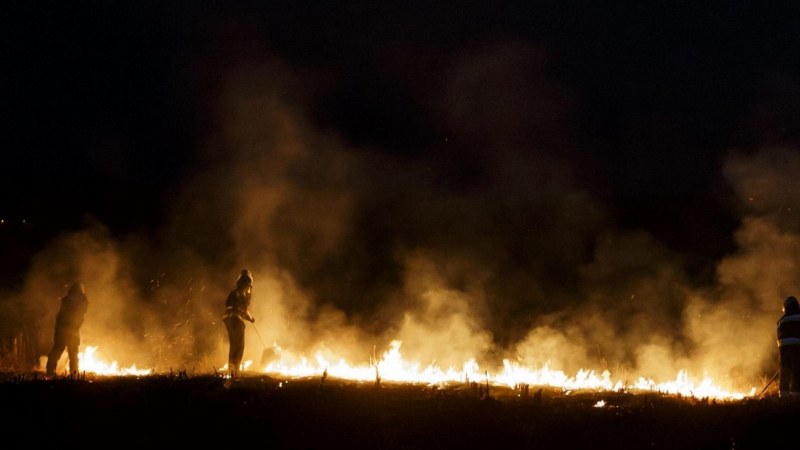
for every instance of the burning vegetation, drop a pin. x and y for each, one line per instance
(493, 264)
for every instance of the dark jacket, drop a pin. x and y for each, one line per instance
(237, 304)
(789, 329)
(73, 309)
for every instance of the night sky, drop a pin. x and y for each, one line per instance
(461, 122)
(108, 104)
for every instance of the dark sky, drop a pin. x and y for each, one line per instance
(107, 106)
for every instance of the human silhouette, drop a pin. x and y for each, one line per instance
(67, 329)
(236, 313)
(789, 348)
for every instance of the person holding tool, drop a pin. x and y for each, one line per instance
(237, 311)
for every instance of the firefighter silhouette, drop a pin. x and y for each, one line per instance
(236, 313)
(67, 329)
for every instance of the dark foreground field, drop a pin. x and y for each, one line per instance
(263, 412)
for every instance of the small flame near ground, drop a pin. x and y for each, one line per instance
(91, 362)
(392, 367)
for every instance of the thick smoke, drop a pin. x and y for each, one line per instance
(93, 258)
(486, 245)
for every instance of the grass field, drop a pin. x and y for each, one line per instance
(257, 411)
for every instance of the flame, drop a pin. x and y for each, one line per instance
(91, 364)
(684, 386)
(246, 365)
(394, 368)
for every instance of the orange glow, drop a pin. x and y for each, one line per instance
(393, 367)
(90, 363)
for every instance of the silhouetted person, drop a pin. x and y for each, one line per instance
(67, 331)
(236, 312)
(789, 348)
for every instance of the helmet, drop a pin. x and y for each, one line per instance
(77, 288)
(245, 279)
(791, 306)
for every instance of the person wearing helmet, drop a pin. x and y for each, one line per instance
(789, 348)
(67, 330)
(237, 310)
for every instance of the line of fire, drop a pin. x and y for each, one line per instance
(194, 344)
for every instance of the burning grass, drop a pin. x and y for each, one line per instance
(187, 411)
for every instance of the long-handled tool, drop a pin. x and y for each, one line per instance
(769, 382)
(259, 335)
(269, 353)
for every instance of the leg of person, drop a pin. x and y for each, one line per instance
(72, 353)
(52, 359)
(794, 381)
(785, 381)
(59, 344)
(240, 347)
(237, 349)
(235, 328)
(229, 329)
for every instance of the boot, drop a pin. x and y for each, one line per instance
(50, 367)
(234, 369)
